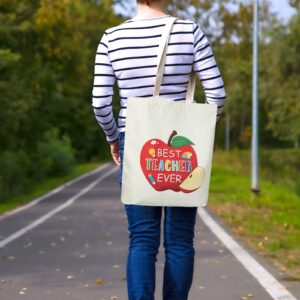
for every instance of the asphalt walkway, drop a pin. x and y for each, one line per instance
(72, 244)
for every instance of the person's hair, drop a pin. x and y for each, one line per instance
(147, 2)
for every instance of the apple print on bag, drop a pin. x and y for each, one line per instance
(171, 166)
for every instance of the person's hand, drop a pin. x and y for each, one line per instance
(114, 150)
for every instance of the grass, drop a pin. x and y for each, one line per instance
(269, 223)
(47, 185)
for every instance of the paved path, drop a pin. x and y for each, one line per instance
(73, 244)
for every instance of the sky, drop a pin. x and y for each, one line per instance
(282, 8)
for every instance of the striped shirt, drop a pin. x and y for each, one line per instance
(127, 53)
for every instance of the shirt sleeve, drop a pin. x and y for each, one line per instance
(207, 70)
(104, 79)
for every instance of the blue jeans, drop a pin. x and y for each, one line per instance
(144, 235)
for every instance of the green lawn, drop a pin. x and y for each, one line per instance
(269, 223)
(47, 185)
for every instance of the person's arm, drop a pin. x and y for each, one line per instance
(207, 70)
(104, 79)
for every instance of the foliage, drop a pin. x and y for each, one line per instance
(55, 156)
(14, 168)
(284, 105)
(46, 69)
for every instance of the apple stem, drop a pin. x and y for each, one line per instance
(171, 136)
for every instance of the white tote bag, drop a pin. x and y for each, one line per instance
(168, 146)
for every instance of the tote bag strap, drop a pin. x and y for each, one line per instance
(162, 53)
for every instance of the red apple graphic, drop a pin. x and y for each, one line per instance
(173, 165)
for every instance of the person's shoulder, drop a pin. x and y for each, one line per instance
(197, 28)
(124, 25)
(188, 22)
(184, 21)
(114, 28)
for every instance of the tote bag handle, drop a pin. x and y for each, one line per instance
(162, 53)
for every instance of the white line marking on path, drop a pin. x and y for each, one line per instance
(51, 213)
(52, 192)
(276, 290)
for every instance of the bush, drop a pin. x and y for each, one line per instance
(54, 155)
(297, 187)
(14, 166)
(20, 169)
(281, 165)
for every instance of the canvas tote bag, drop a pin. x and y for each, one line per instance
(168, 146)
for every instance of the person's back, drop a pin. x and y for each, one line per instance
(128, 53)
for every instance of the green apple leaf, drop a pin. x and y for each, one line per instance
(178, 141)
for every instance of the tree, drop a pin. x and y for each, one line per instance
(284, 105)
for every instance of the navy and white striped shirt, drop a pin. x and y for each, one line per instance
(128, 53)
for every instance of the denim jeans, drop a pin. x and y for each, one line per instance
(144, 241)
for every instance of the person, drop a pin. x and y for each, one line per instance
(127, 54)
